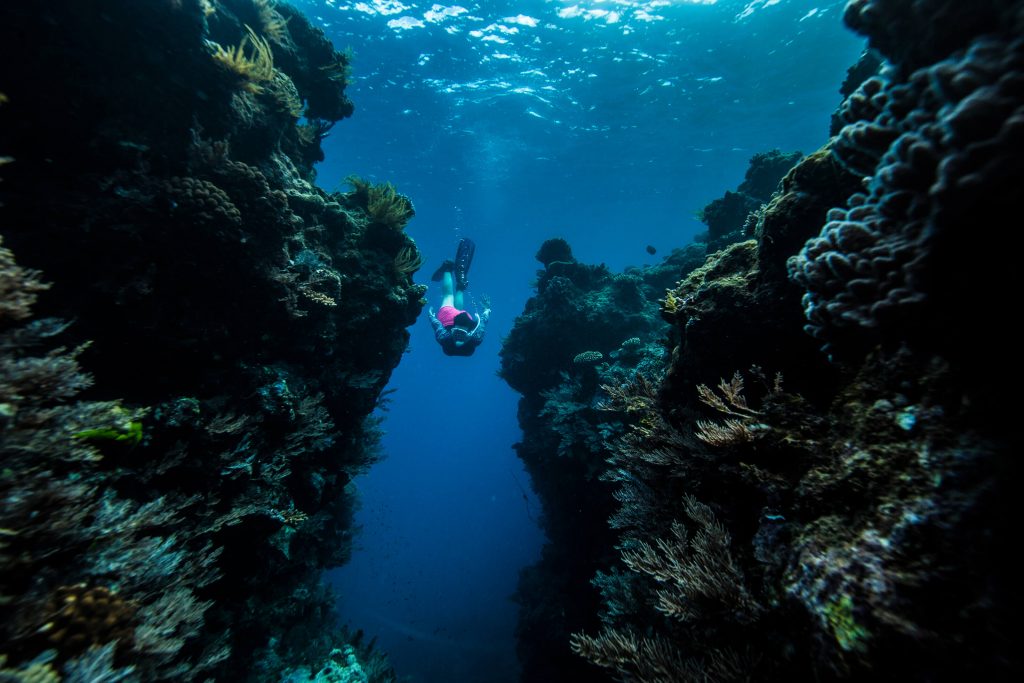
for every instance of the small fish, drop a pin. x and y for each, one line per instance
(651, 250)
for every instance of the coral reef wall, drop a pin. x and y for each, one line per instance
(193, 338)
(584, 327)
(816, 484)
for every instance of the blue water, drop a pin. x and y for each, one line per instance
(607, 123)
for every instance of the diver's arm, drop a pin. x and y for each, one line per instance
(478, 332)
(440, 333)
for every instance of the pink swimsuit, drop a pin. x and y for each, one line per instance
(447, 315)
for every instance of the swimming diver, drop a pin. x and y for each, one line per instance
(454, 328)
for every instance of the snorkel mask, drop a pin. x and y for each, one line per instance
(460, 335)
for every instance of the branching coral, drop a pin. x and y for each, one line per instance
(728, 432)
(654, 659)
(638, 394)
(169, 622)
(19, 288)
(732, 401)
(693, 572)
(741, 425)
(633, 657)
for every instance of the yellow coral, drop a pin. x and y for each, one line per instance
(360, 187)
(387, 207)
(36, 672)
(408, 261)
(274, 25)
(339, 71)
(252, 70)
(670, 305)
(383, 202)
(291, 517)
(317, 297)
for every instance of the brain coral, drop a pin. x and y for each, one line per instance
(200, 200)
(938, 150)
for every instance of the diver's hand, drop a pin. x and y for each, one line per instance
(487, 313)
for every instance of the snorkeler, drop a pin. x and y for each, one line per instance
(455, 330)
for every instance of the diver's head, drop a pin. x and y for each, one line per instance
(460, 335)
(461, 343)
(464, 320)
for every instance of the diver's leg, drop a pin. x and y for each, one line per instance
(446, 267)
(459, 300)
(448, 289)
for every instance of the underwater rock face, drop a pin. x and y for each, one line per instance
(555, 249)
(913, 33)
(727, 217)
(185, 470)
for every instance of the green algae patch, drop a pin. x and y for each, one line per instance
(851, 636)
(129, 433)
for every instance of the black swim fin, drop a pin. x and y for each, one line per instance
(463, 259)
